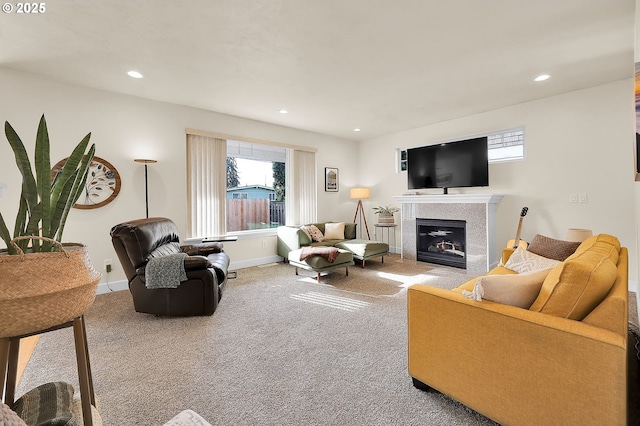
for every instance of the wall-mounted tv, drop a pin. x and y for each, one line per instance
(449, 165)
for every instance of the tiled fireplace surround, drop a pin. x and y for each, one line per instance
(479, 212)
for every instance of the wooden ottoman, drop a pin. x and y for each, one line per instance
(365, 249)
(319, 264)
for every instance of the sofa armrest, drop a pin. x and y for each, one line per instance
(288, 239)
(514, 365)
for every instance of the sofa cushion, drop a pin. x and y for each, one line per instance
(519, 290)
(552, 248)
(523, 261)
(603, 244)
(575, 287)
(334, 231)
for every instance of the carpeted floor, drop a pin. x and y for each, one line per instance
(280, 350)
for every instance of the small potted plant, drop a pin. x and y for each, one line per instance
(385, 214)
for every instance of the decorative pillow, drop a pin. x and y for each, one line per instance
(165, 250)
(523, 261)
(519, 290)
(551, 248)
(314, 233)
(47, 405)
(334, 231)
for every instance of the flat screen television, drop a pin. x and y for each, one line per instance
(449, 165)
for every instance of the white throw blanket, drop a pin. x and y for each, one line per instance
(165, 271)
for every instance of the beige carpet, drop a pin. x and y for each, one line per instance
(280, 350)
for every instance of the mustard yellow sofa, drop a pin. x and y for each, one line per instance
(563, 361)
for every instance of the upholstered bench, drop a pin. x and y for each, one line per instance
(319, 264)
(365, 249)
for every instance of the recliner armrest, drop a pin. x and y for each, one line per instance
(203, 249)
(196, 262)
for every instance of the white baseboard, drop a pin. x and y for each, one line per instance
(254, 262)
(633, 286)
(124, 285)
(113, 286)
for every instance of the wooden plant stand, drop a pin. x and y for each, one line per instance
(9, 351)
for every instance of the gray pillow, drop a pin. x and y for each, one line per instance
(47, 405)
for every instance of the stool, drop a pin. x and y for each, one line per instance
(9, 350)
(319, 264)
(364, 249)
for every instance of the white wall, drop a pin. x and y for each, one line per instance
(125, 127)
(579, 142)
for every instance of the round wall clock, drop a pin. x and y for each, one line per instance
(102, 186)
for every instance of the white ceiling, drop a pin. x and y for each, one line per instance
(379, 65)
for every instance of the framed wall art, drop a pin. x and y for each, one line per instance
(102, 186)
(331, 179)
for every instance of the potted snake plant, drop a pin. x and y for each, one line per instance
(39, 288)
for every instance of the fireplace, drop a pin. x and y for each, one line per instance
(442, 242)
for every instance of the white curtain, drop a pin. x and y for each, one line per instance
(302, 182)
(206, 186)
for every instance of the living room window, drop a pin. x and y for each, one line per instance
(503, 145)
(256, 182)
(237, 185)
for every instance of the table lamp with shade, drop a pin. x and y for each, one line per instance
(578, 235)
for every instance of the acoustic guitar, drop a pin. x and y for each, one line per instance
(517, 242)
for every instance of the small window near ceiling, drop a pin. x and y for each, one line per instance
(506, 145)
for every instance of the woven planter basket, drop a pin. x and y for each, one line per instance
(42, 290)
(386, 219)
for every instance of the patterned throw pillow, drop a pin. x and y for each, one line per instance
(523, 261)
(551, 248)
(313, 232)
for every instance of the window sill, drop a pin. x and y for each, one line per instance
(242, 235)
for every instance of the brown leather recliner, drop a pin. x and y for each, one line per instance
(206, 268)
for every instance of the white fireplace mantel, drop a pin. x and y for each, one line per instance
(450, 198)
(477, 210)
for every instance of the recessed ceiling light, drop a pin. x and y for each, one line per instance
(283, 111)
(134, 74)
(542, 77)
(356, 130)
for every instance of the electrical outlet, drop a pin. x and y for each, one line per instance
(582, 198)
(264, 244)
(107, 265)
(573, 198)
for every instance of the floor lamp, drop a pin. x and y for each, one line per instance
(360, 194)
(146, 183)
